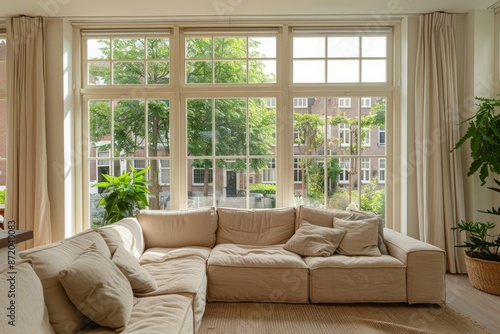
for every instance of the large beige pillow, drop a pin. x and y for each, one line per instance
(360, 215)
(313, 240)
(318, 216)
(361, 236)
(22, 308)
(140, 280)
(98, 289)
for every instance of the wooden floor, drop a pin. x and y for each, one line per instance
(482, 307)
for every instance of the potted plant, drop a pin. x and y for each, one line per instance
(123, 194)
(482, 254)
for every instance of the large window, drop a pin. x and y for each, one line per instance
(204, 109)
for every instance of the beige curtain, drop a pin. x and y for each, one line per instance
(28, 201)
(439, 172)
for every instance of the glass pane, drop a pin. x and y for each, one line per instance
(262, 47)
(373, 71)
(309, 128)
(99, 73)
(159, 128)
(96, 213)
(343, 125)
(230, 71)
(199, 127)
(3, 55)
(162, 184)
(200, 183)
(372, 122)
(158, 73)
(99, 126)
(373, 197)
(308, 71)
(308, 47)
(198, 48)
(310, 191)
(158, 48)
(343, 47)
(230, 127)
(230, 47)
(128, 73)
(262, 125)
(98, 49)
(128, 48)
(198, 72)
(231, 180)
(129, 127)
(343, 71)
(262, 71)
(374, 46)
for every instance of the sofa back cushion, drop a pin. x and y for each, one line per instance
(318, 216)
(126, 233)
(255, 227)
(23, 309)
(48, 261)
(181, 228)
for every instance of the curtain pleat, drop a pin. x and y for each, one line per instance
(439, 173)
(28, 200)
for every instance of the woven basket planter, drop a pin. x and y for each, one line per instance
(484, 275)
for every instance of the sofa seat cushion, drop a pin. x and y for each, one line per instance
(48, 261)
(256, 273)
(179, 271)
(255, 227)
(155, 315)
(345, 279)
(28, 314)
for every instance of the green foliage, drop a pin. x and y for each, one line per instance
(123, 194)
(481, 244)
(2, 196)
(372, 199)
(263, 188)
(484, 135)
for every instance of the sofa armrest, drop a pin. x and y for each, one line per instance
(425, 267)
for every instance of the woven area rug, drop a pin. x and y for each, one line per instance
(266, 318)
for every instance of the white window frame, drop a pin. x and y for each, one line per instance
(344, 134)
(297, 171)
(345, 167)
(366, 102)
(381, 170)
(380, 133)
(269, 174)
(271, 103)
(300, 102)
(162, 170)
(344, 102)
(193, 183)
(365, 170)
(367, 139)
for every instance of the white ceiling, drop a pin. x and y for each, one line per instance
(227, 8)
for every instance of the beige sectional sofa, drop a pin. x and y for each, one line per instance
(154, 273)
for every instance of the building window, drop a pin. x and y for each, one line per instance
(300, 102)
(344, 102)
(345, 167)
(164, 169)
(199, 176)
(269, 173)
(381, 136)
(367, 134)
(297, 171)
(381, 170)
(344, 134)
(365, 170)
(271, 103)
(366, 102)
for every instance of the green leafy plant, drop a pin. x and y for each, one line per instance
(484, 135)
(481, 244)
(2, 196)
(123, 194)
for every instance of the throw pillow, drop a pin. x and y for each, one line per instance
(140, 280)
(98, 289)
(360, 215)
(361, 237)
(313, 240)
